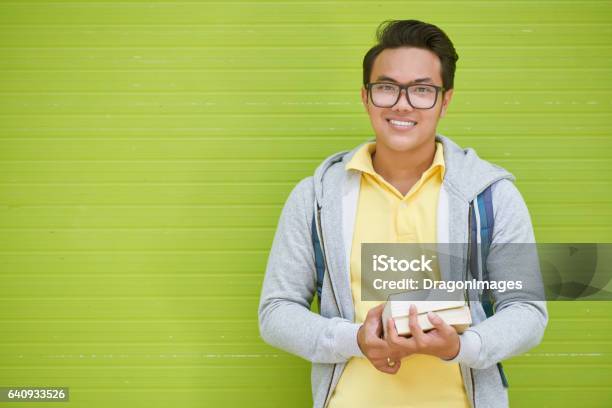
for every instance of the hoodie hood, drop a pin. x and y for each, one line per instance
(466, 174)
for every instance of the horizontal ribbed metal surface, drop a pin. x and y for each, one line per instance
(146, 149)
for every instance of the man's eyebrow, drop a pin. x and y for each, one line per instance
(416, 81)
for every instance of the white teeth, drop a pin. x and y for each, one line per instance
(401, 123)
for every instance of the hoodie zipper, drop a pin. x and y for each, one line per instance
(320, 232)
(473, 388)
(331, 284)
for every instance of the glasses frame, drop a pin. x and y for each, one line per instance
(399, 95)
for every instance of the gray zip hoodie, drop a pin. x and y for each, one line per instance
(329, 339)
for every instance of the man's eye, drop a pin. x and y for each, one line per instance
(423, 89)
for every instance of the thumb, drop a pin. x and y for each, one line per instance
(438, 323)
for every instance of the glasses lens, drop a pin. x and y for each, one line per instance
(422, 96)
(384, 95)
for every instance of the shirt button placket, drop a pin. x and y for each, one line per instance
(405, 231)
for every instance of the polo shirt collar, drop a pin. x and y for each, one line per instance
(362, 160)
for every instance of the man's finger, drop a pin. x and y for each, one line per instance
(391, 330)
(376, 312)
(393, 337)
(395, 368)
(374, 320)
(384, 367)
(440, 325)
(399, 345)
(373, 317)
(413, 323)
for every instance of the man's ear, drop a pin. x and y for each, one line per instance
(448, 95)
(364, 97)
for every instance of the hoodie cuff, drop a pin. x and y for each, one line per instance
(347, 340)
(469, 349)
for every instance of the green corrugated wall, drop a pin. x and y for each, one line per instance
(146, 149)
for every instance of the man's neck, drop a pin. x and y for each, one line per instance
(403, 169)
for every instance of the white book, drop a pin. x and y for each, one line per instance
(454, 312)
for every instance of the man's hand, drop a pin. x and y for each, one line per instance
(373, 346)
(442, 341)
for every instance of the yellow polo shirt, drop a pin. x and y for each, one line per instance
(385, 215)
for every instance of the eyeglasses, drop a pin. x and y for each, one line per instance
(419, 96)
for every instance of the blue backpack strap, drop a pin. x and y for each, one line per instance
(319, 264)
(487, 223)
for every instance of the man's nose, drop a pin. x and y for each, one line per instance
(402, 104)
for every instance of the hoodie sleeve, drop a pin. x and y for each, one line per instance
(285, 319)
(520, 315)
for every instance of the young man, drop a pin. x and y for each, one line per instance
(410, 185)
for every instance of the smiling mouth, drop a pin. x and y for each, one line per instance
(401, 124)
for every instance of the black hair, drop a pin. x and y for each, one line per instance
(413, 33)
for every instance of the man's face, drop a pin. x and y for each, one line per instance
(404, 65)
